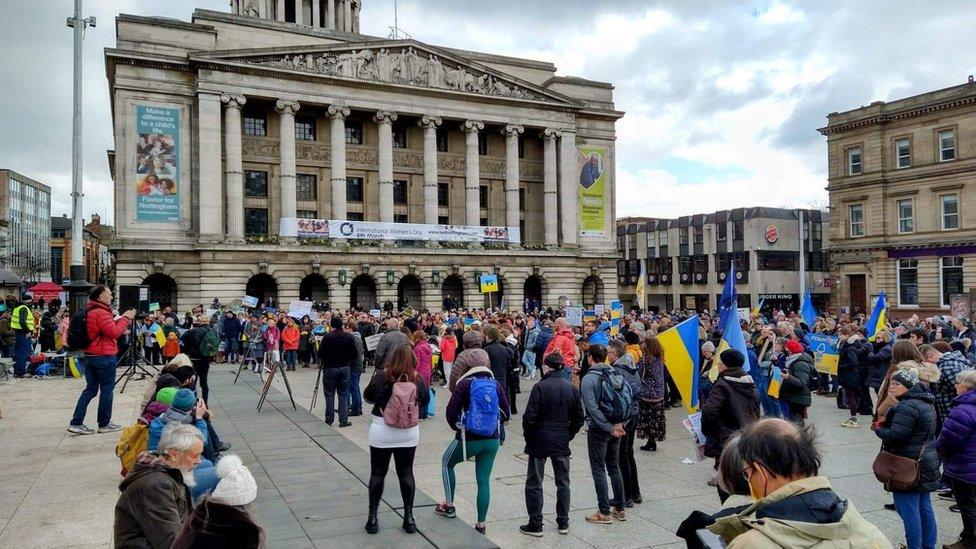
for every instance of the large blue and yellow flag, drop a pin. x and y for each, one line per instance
(808, 311)
(729, 300)
(681, 358)
(732, 338)
(879, 318)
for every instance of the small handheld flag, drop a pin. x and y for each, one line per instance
(775, 382)
(878, 318)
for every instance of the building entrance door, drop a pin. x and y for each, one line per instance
(859, 294)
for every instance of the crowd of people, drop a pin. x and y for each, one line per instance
(914, 380)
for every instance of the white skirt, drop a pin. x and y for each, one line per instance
(382, 435)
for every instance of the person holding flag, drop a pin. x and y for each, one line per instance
(733, 402)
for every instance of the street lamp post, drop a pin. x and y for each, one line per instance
(79, 285)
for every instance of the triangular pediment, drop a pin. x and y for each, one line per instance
(395, 62)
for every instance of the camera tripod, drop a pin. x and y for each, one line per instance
(134, 361)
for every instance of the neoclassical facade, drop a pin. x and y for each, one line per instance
(231, 123)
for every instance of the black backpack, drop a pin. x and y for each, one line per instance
(78, 332)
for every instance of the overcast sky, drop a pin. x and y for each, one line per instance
(722, 98)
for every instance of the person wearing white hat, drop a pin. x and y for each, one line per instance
(223, 519)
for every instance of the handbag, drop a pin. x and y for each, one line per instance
(897, 473)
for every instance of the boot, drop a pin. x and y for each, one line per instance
(372, 522)
(409, 525)
(651, 446)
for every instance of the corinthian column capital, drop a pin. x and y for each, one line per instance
(233, 101)
(287, 107)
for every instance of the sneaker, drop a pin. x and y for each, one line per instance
(599, 518)
(480, 529)
(80, 430)
(955, 508)
(344, 424)
(563, 528)
(946, 495)
(890, 506)
(850, 423)
(638, 499)
(110, 428)
(224, 446)
(619, 514)
(445, 510)
(629, 504)
(531, 530)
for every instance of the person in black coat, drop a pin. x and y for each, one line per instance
(908, 431)
(733, 403)
(877, 361)
(499, 357)
(797, 372)
(232, 333)
(552, 417)
(853, 351)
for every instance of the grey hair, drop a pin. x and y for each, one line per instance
(177, 436)
(393, 324)
(967, 378)
(619, 347)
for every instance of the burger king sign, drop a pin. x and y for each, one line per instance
(772, 234)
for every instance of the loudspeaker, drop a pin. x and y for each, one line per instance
(132, 296)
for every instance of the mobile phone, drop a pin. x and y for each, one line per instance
(710, 539)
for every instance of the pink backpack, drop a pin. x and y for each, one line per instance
(402, 410)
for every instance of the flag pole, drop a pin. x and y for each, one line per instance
(803, 281)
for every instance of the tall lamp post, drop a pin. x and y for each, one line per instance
(78, 286)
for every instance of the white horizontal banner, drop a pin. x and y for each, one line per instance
(373, 230)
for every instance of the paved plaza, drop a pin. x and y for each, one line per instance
(59, 490)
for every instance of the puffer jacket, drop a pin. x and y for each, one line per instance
(878, 359)
(541, 343)
(103, 329)
(565, 342)
(466, 360)
(796, 388)
(909, 431)
(625, 365)
(733, 403)
(945, 390)
(803, 514)
(957, 441)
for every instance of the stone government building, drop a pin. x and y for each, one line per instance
(281, 109)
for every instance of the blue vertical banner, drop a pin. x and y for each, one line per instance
(157, 164)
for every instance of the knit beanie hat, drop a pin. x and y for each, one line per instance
(165, 395)
(794, 347)
(472, 339)
(184, 400)
(181, 360)
(732, 358)
(906, 378)
(236, 486)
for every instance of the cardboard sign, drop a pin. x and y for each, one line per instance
(298, 309)
(376, 313)
(372, 341)
(250, 301)
(489, 283)
(599, 308)
(744, 313)
(153, 307)
(574, 316)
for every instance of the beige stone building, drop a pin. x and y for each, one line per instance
(282, 110)
(902, 185)
(687, 259)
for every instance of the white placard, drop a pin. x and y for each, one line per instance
(376, 312)
(249, 301)
(599, 308)
(298, 309)
(574, 316)
(744, 313)
(372, 341)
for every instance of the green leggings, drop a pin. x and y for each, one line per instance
(484, 458)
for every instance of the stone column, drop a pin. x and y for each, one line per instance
(355, 17)
(569, 168)
(347, 16)
(330, 14)
(298, 12)
(472, 174)
(210, 213)
(234, 166)
(338, 114)
(316, 13)
(429, 124)
(280, 11)
(286, 177)
(385, 119)
(550, 187)
(512, 210)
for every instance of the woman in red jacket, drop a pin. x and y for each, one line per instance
(99, 361)
(290, 338)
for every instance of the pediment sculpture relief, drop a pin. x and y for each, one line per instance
(406, 66)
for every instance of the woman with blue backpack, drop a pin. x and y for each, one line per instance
(476, 411)
(397, 394)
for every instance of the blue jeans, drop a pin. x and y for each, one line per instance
(230, 349)
(604, 453)
(100, 380)
(333, 380)
(22, 352)
(355, 397)
(206, 476)
(291, 358)
(915, 510)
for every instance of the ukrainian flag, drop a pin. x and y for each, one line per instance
(160, 337)
(641, 290)
(879, 318)
(732, 338)
(775, 382)
(681, 359)
(808, 311)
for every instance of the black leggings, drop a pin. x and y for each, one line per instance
(202, 368)
(379, 465)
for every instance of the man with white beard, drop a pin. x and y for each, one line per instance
(156, 493)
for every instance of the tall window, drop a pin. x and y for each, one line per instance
(947, 145)
(354, 189)
(699, 234)
(441, 140)
(443, 195)
(483, 143)
(903, 153)
(908, 282)
(306, 185)
(255, 221)
(683, 236)
(305, 128)
(255, 124)
(521, 147)
(400, 192)
(354, 133)
(738, 230)
(721, 231)
(950, 211)
(951, 278)
(906, 216)
(483, 196)
(662, 242)
(256, 184)
(857, 219)
(399, 136)
(854, 161)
